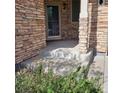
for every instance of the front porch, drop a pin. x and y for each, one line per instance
(39, 21)
(65, 52)
(61, 50)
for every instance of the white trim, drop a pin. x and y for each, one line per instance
(84, 8)
(53, 38)
(59, 10)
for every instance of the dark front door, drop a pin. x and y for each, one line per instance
(53, 21)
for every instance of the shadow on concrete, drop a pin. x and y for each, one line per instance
(90, 62)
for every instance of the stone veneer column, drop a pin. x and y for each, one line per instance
(83, 26)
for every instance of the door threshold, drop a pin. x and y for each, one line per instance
(54, 38)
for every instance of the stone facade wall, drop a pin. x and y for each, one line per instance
(30, 28)
(69, 29)
(102, 34)
(83, 35)
(98, 25)
(73, 27)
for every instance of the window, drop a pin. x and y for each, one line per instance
(101, 2)
(75, 10)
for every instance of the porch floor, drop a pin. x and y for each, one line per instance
(53, 46)
(63, 45)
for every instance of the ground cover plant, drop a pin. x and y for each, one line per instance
(37, 81)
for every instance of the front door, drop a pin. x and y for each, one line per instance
(53, 28)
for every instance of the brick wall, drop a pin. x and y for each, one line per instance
(98, 25)
(30, 28)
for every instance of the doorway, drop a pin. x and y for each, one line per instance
(53, 22)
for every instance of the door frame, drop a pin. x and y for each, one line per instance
(59, 11)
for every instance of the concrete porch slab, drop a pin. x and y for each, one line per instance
(59, 52)
(51, 46)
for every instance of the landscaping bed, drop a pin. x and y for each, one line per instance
(37, 81)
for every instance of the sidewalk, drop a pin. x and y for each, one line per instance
(100, 67)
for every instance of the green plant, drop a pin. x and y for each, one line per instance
(38, 82)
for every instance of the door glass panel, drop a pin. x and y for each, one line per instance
(53, 20)
(75, 10)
